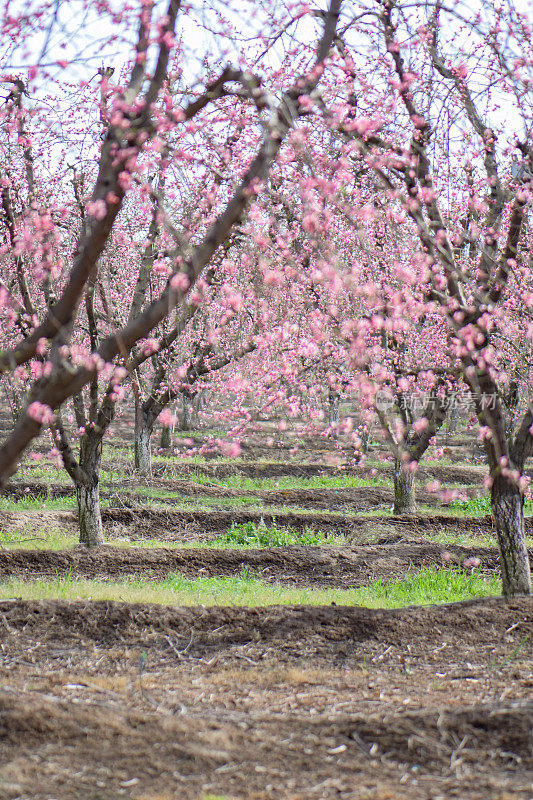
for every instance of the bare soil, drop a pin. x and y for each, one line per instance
(101, 701)
(184, 525)
(339, 567)
(139, 523)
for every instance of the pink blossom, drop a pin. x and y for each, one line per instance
(180, 282)
(151, 346)
(306, 102)
(119, 373)
(97, 209)
(235, 301)
(420, 425)
(124, 180)
(230, 449)
(40, 412)
(167, 418)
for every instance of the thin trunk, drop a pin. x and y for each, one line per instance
(511, 403)
(143, 435)
(187, 415)
(88, 495)
(404, 490)
(333, 407)
(198, 406)
(365, 438)
(166, 439)
(453, 418)
(507, 503)
(478, 451)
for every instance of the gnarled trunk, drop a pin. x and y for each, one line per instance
(453, 418)
(507, 503)
(511, 403)
(365, 438)
(88, 494)
(404, 489)
(192, 403)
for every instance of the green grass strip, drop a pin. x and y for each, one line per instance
(429, 585)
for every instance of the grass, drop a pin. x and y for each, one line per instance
(290, 483)
(240, 536)
(480, 506)
(244, 504)
(37, 504)
(165, 500)
(48, 538)
(260, 534)
(430, 585)
(243, 536)
(51, 538)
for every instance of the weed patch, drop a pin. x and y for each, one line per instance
(480, 506)
(262, 535)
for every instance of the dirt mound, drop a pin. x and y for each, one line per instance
(138, 752)
(19, 490)
(216, 626)
(196, 525)
(353, 499)
(187, 525)
(214, 521)
(297, 564)
(502, 732)
(109, 700)
(356, 499)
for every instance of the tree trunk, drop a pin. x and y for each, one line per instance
(511, 402)
(333, 407)
(89, 517)
(453, 418)
(199, 403)
(187, 415)
(507, 503)
(166, 439)
(142, 450)
(404, 489)
(88, 495)
(365, 438)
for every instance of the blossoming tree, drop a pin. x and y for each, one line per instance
(136, 106)
(465, 204)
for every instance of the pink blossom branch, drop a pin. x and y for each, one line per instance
(110, 193)
(66, 380)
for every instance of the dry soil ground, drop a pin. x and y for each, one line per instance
(100, 700)
(107, 700)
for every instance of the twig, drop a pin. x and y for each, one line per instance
(184, 650)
